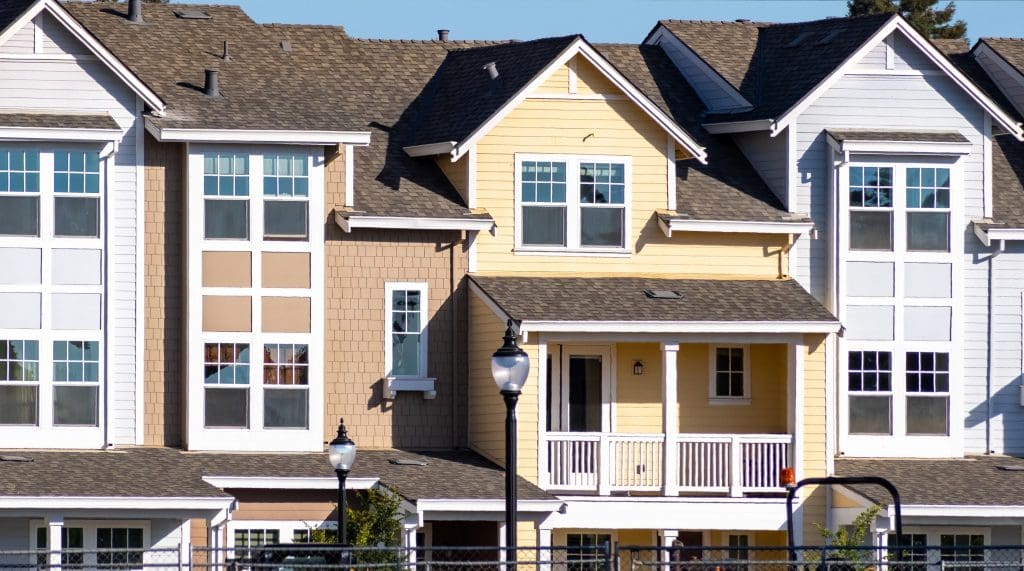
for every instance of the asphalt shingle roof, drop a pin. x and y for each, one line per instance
(1008, 182)
(898, 136)
(584, 299)
(58, 120)
(976, 481)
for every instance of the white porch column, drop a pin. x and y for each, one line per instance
(670, 424)
(666, 539)
(795, 392)
(185, 540)
(54, 541)
(409, 541)
(544, 553)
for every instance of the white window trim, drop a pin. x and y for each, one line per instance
(89, 532)
(715, 399)
(412, 383)
(293, 198)
(572, 206)
(285, 528)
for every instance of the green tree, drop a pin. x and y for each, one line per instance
(846, 540)
(932, 22)
(375, 524)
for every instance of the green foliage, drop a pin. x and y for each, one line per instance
(844, 542)
(376, 524)
(932, 22)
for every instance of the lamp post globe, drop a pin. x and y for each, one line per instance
(341, 453)
(510, 366)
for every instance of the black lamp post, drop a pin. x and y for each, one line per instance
(341, 453)
(510, 366)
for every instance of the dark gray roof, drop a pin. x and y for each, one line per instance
(1010, 49)
(59, 121)
(761, 61)
(578, 299)
(1008, 182)
(962, 56)
(898, 136)
(977, 480)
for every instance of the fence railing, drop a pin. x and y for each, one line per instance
(605, 462)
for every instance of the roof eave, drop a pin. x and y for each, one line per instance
(669, 225)
(430, 149)
(726, 127)
(348, 221)
(709, 327)
(262, 136)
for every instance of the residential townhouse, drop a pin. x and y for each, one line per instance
(666, 225)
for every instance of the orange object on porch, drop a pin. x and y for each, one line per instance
(787, 476)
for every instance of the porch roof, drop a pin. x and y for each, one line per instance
(642, 304)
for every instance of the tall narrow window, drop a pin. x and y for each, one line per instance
(76, 383)
(19, 382)
(544, 203)
(226, 370)
(226, 192)
(286, 386)
(928, 209)
(19, 192)
(119, 548)
(76, 187)
(871, 208)
(285, 197)
(602, 204)
(927, 393)
(870, 391)
(406, 323)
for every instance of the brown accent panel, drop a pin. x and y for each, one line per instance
(286, 315)
(227, 269)
(227, 313)
(286, 269)
(302, 505)
(163, 235)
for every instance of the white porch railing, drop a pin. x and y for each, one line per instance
(603, 462)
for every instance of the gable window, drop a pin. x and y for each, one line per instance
(928, 209)
(285, 197)
(19, 382)
(76, 383)
(286, 386)
(927, 393)
(19, 192)
(870, 391)
(730, 380)
(406, 349)
(226, 192)
(76, 187)
(226, 372)
(572, 203)
(871, 208)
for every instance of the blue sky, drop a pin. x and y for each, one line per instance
(598, 20)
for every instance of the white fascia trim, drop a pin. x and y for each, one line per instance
(468, 505)
(987, 236)
(663, 34)
(90, 41)
(109, 503)
(679, 326)
(51, 134)
(940, 61)
(900, 147)
(310, 483)
(580, 46)
(738, 126)
(430, 149)
(347, 223)
(259, 136)
(733, 226)
(959, 511)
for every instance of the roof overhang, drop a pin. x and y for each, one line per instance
(348, 221)
(950, 511)
(537, 326)
(669, 225)
(486, 505)
(115, 503)
(727, 127)
(262, 136)
(308, 483)
(848, 147)
(51, 134)
(988, 234)
(430, 149)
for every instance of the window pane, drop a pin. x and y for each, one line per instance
(543, 226)
(77, 217)
(285, 408)
(928, 415)
(285, 219)
(18, 404)
(227, 219)
(870, 415)
(76, 405)
(19, 215)
(601, 226)
(405, 354)
(870, 230)
(227, 408)
(928, 231)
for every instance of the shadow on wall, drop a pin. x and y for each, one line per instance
(1006, 415)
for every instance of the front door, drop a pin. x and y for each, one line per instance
(581, 395)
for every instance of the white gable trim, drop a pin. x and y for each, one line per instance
(898, 23)
(90, 41)
(581, 47)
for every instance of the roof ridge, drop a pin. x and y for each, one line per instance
(432, 41)
(754, 23)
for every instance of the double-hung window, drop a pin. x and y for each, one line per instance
(928, 209)
(226, 372)
(285, 197)
(285, 386)
(870, 391)
(76, 189)
(406, 349)
(871, 208)
(927, 393)
(19, 192)
(226, 193)
(572, 203)
(76, 383)
(19, 382)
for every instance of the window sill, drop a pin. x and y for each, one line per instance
(729, 401)
(584, 252)
(394, 385)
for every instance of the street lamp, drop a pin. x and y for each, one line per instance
(341, 453)
(510, 366)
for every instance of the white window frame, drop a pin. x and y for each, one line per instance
(878, 393)
(89, 530)
(389, 289)
(933, 535)
(573, 206)
(264, 387)
(713, 397)
(285, 528)
(277, 198)
(97, 384)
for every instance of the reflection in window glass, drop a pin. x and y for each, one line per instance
(869, 378)
(405, 329)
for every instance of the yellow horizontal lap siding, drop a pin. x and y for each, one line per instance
(813, 461)
(590, 80)
(557, 82)
(638, 398)
(457, 173)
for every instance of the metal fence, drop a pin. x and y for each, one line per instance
(579, 558)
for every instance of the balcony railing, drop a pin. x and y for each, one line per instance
(604, 462)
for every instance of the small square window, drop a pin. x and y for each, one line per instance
(729, 374)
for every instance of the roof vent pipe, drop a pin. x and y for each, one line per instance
(135, 11)
(492, 69)
(442, 35)
(212, 87)
(227, 54)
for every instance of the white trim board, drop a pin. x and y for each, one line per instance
(114, 503)
(261, 136)
(348, 223)
(733, 226)
(989, 235)
(495, 505)
(51, 134)
(290, 483)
